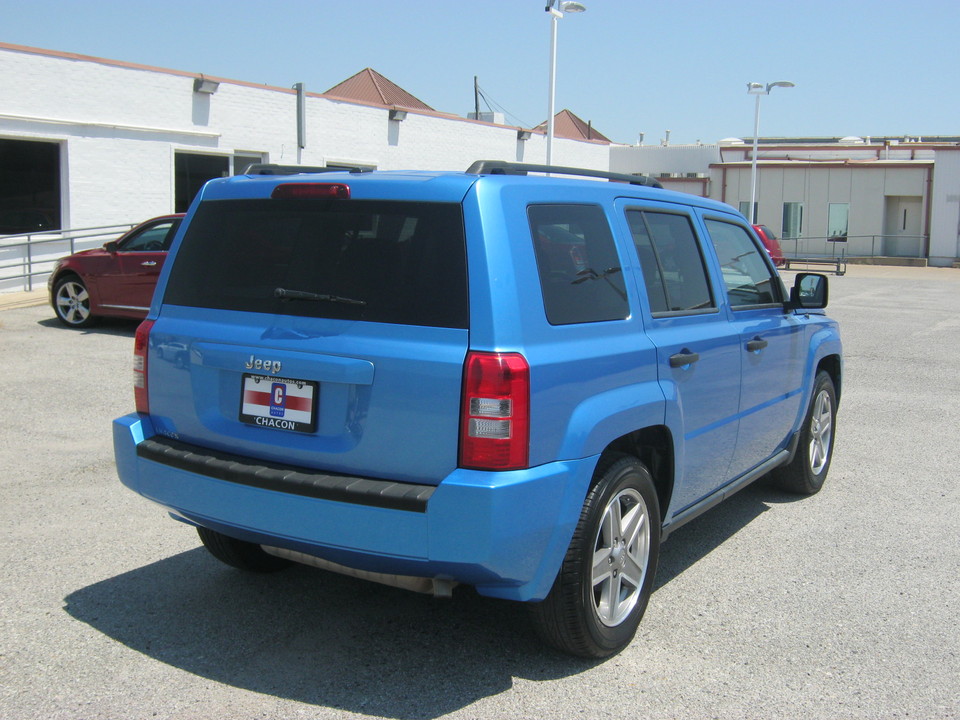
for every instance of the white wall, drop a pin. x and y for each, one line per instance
(945, 209)
(865, 188)
(657, 159)
(119, 127)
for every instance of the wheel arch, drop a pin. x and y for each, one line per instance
(654, 447)
(833, 366)
(65, 272)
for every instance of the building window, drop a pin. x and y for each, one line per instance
(792, 220)
(191, 171)
(243, 160)
(29, 186)
(838, 218)
(745, 210)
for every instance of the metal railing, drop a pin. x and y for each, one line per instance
(28, 258)
(905, 246)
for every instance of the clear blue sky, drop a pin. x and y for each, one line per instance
(861, 68)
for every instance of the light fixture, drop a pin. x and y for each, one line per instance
(758, 89)
(398, 115)
(205, 86)
(523, 134)
(556, 13)
(566, 6)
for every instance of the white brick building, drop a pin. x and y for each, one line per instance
(88, 142)
(123, 142)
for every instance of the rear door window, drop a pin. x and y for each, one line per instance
(580, 273)
(671, 262)
(379, 261)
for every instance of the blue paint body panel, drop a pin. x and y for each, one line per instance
(388, 392)
(505, 533)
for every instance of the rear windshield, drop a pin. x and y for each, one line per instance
(389, 262)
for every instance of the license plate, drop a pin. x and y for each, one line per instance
(279, 403)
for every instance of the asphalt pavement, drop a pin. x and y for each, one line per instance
(842, 605)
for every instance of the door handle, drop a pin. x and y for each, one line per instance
(756, 345)
(683, 358)
(148, 263)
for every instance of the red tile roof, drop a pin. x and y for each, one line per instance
(568, 125)
(369, 86)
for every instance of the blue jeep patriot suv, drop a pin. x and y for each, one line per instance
(498, 378)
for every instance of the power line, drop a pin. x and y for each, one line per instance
(493, 106)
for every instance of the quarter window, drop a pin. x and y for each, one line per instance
(580, 273)
(747, 276)
(671, 262)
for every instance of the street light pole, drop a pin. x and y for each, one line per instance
(555, 14)
(758, 89)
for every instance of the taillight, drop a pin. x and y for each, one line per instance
(140, 347)
(495, 412)
(337, 191)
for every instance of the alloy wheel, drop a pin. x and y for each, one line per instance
(821, 432)
(620, 558)
(73, 302)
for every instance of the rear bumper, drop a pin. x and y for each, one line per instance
(504, 532)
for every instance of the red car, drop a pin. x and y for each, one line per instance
(770, 242)
(116, 280)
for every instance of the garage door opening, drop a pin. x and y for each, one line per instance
(29, 186)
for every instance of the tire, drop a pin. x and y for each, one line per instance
(577, 616)
(807, 471)
(238, 553)
(71, 302)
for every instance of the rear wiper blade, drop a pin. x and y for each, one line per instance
(285, 294)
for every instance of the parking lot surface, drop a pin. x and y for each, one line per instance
(843, 605)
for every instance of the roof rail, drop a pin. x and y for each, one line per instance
(271, 169)
(502, 167)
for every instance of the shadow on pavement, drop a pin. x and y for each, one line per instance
(105, 326)
(321, 638)
(338, 642)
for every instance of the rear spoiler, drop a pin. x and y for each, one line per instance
(271, 169)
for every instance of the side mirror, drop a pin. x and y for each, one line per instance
(110, 247)
(809, 292)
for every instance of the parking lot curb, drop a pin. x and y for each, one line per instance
(11, 301)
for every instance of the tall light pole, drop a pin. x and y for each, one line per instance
(758, 89)
(555, 14)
